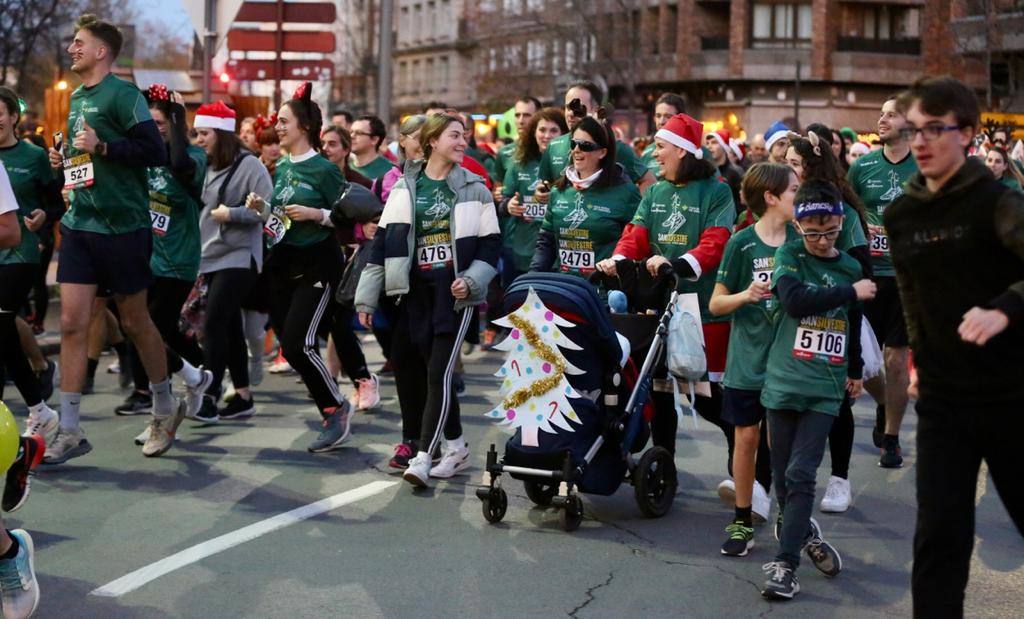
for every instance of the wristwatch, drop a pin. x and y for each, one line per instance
(101, 149)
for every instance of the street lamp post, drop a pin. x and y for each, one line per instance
(209, 40)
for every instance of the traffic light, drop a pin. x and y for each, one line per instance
(225, 79)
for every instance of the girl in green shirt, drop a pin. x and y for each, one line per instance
(998, 161)
(521, 215)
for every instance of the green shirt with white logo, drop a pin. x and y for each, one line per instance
(28, 168)
(520, 233)
(109, 197)
(504, 161)
(747, 258)
(435, 201)
(676, 215)
(375, 169)
(587, 224)
(558, 156)
(879, 182)
(174, 214)
(808, 358)
(313, 182)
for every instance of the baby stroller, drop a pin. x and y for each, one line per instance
(613, 416)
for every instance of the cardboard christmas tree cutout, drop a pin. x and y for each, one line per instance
(534, 390)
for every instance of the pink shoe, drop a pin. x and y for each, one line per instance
(369, 395)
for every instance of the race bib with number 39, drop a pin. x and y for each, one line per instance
(879, 241)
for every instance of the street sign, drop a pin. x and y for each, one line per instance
(292, 41)
(311, 70)
(294, 12)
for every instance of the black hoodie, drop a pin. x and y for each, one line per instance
(955, 249)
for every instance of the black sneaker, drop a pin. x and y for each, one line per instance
(878, 432)
(137, 403)
(404, 451)
(46, 380)
(741, 539)
(892, 454)
(30, 454)
(822, 554)
(89, 386)
(459, 384)
(782, 583)
(207, 413)
(237, 408)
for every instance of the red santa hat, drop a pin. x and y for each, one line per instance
(722, 137)
(684, 132)
(737, 148)
(215, 115)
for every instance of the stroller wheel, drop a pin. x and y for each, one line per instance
(539, 492)
(654, 481)
(495, 505)
(572, 515)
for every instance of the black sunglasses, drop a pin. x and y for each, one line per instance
(585, 146)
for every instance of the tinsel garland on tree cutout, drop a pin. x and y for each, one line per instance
(534, 390)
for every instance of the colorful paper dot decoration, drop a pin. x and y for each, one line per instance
(510, 414)
(515, 334)
(529, 370)
(546, 367)
(548, 316)
(540, 417)
(544, 329)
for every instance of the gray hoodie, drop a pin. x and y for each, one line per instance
(239, 242)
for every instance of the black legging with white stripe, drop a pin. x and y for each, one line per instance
(424, 369)
(301, 285)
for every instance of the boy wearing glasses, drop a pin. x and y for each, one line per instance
(957, 240)
(814, 360)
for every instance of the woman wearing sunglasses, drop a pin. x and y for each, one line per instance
(588, 207)
(684, 222)
(812, 159)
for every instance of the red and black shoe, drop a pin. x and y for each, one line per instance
(30, 454)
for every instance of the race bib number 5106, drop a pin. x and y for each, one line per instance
(815, 339)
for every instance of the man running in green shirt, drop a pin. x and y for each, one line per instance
(106, 242)
(878, 179)
(524, 110)
(368, 133)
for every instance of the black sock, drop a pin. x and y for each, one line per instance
(121, 348)
(90, 367)
(895, 437)
(743, 515)
(13, 550)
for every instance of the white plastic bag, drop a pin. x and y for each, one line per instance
(870, 351)
(684, 348)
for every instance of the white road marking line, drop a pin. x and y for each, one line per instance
(139, 577)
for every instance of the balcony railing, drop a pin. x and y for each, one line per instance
(906, 47)
(714, 43)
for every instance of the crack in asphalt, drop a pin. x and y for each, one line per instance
(590, 594)
(715, 567)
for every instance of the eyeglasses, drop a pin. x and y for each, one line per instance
(585, 146)
(930, 132)
(814, 237)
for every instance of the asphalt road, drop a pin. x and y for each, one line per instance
(391, 552)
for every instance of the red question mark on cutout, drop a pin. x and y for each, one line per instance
(554, 409)
(515, 366)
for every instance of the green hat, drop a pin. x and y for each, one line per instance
(846, 132)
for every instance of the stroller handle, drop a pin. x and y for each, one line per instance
(666, 271)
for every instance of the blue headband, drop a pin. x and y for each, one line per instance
(810, 209)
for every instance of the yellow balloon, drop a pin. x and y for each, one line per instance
(8, 438)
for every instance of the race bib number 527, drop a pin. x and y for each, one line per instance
(78, 172)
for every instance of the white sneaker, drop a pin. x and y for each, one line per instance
(42, 423)
(761, 503)
(369, 395)
(418, 473)
(281, 367)
(194, 395)
(727, 492)
(837, 495)
(453, 461)
(143, 436)
(67, 444)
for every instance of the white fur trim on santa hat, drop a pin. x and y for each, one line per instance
(214, 122)
(775, 137)
(681, 142)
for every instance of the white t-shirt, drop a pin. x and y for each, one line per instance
(8, 202)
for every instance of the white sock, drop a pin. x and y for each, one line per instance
(422, 455)
(457, 444)
(192, 375)
(38, 408)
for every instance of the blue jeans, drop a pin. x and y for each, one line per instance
(797, 445)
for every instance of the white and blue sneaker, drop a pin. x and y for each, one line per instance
(19, 588)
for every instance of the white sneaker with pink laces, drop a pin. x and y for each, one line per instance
(368, 392)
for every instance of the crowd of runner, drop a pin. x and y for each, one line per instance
(818, 260)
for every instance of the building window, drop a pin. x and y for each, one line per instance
(446, 75)
(417, 76)
(780, 24)
(535, 53)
